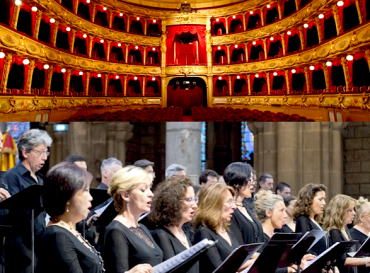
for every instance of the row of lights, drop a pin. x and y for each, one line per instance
(328, 63)
(251, 13)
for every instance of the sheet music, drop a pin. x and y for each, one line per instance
(318, 257)
(354, 253)
(318, 234)
(143, 216)
(102, 209)
(182, 257)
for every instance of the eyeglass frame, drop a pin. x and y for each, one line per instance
(40, 153)
(191, 200)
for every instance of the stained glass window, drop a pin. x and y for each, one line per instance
(203, 140)
(247, 143)
(17, 128)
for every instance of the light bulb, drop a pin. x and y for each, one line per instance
(2, 55)
(18, 2)
(275, 73)
(268, 6)
(135, 78)
(251, 12)
(238, 77)
(321, 16)
(88, 1)
(234, 16)
(34, 9)
(68, 29)
(136, 47)
(138, 18)
(340, 3)
(105, 8)
(305, 25)
(117, 77)
(153, 79)
(220, 78)
(84, 35)
(254, 42)
(119, 44)
(289, 32)
(349, 57)
(236, 46)
(217, 20)
(328, 63)
(219, 48)
(257, 75)
(26, 61)
(272, 38)
(46, 66)
(52, 20)
(153, 48)
(64, 70)
(99, 75)
(312, 67)
(121, 14)
(81, 73)
(293, 71)
(154, 21)
(101, 41)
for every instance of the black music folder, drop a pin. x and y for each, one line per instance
(107, 216)
(183, 261)
(327, 259)
(99, 196)
(363, 251)
(275, 252)
(237, 258)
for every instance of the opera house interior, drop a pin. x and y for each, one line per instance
(151, 60)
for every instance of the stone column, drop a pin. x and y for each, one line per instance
(145, 25)
(110, 19)
(143, 87)
(128, 24)
(228, 54)
(227, 25)
(183, 147)
(126, 53)
(72, 42)
(89, 48)
(244, 22)
(360, 11)
(246, 52)
(210, 91)
(123, 134)
(279, 4)
(336, 149)
(265, 47)
(5, 76)
(93, 9)
(108, 50)
(163, 91)
(144, 53)
(75, 6)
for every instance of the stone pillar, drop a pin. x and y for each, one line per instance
(128, 24)
(327, 76)
(31, 68)
(183, 147)
(336, 149)
(93, 9)
(246, 52)
(249, 84)
(244, 21)
(163, 91)
(360, 11)
(89, 48)
(68, 80)
(5, 76)
(123, 134)
(110, 19)
(265, 47)
(210, 91)
(319, 30)
(49, 77)
(75, 6)
(145, 25)
(144, 57)
(37, 24)
(279, 4)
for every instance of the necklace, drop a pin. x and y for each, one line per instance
(80, 238)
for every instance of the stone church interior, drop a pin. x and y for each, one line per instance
(151, 60)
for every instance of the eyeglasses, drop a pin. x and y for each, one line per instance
(230, 202)
(41, 153)
(191, 200)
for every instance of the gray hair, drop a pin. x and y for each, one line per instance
(31, 139)
(106, 164)
(173, 169)
(266, 202)
(264, 177)
(143, 163)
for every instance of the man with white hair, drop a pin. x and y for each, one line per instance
(108, 168)
(33, 152)
(175, 170)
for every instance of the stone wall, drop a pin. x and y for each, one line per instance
(356, 159)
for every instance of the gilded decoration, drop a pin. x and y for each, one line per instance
(186, 70)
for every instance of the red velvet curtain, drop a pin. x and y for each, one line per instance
(27, 8)
(236, 18)
(216, 49)
(12, 6)
(64, 29)
(232, 48)
(133, 48)
(77, 73)
(310, 25)
(272, 5)
(134, 18)
(254, 13)
(250, 44)
(279, 73)
(117, 14)
(2, 62)
(317, 68)
(80, 35)
(327, 15)
(139, 78)
(97, 40)
(40, 66)
(101, 8)
(347, 3)
(356, 57)
(59, 70)
(47, 20)
(213, 22)
(276, 38)
(293, 32)
(19, 61)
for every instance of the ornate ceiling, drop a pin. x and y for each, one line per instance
(174, 4)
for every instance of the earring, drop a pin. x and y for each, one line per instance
(128, 201)
(362, 223)
(67, 210)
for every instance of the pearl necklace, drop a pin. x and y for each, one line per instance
(80, 238)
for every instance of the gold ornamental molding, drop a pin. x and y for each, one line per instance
(186, 70)
(344, 44)
(28, 47)
(60, 13)
(186, 19)
(306, 14)
(22, 104)
(341, 101)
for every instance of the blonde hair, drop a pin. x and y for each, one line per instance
(125, 180)
(266, 202)
(336, 210)
(362, 209)
(210, 205)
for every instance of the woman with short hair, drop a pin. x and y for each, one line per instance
(174, 204)
(67, 200)
(339, 213)
(215, 208)
(128, 245)
(309, 211)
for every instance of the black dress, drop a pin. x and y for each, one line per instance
(62, 252)
(284, 229)
(358, 235)
(171, 246)
(336, 235)
(303, 225)
(245, 230)
(216, 254)
(126, 247)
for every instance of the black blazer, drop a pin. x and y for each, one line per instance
(303, 225)
(171, 246)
